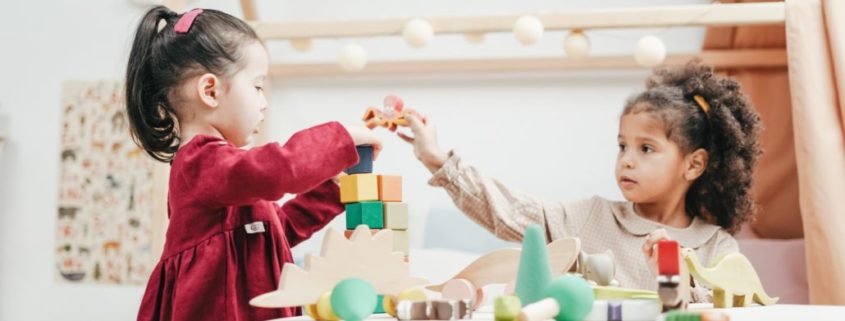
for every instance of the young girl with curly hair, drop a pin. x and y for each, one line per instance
(687, 150)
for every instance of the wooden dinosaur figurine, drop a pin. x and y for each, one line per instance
(732, 278)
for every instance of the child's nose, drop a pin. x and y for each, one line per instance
(626, 161)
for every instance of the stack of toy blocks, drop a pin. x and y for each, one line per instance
(374, 200)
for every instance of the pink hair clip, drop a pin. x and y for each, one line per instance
(187, 19)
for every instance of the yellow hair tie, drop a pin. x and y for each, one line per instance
(703, 104)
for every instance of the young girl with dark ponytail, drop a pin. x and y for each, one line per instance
(195, 98)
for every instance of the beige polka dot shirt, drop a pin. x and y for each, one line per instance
(599, 223)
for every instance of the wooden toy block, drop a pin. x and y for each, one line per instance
(365, 256)
(412, 294)
(434, 310)
(365, 161)
(379, 304)
(668, 257)
(506, 308)
(625, 310)
(370, 213)
(396, 216)
(358, 188)
(400, 241)
(390, 188)
(348, 233)
(732, 278)
(670, 289)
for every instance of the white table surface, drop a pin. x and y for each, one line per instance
(778, 312)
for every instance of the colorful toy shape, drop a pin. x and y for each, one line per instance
(365, 256)
(506, 308)
(673, 294)
(365, 160)
(567, 298)
(678, 315)
(598, 268)
(733, 279)
(391, 116)
(501, 266)
(395, 216)
(534, 271)
(353, 299)
(369, 213)
(390, 188)
(617, 293)
(413, 294)
(624, 310)
(434, 310)
(358, 188)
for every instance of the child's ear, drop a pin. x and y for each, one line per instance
(696, 164)
(208, 86)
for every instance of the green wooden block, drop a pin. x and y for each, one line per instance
(369, 213)
(396, 216)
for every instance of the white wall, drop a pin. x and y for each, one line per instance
(551, 133)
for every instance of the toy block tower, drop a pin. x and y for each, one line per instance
(374, 200)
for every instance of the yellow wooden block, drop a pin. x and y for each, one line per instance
(358, 187)
(390, 188)
(400, 241)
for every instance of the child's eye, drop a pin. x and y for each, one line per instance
(621, 147)
(259, 88)
(647, 149)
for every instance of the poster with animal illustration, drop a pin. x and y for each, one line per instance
(105, 190)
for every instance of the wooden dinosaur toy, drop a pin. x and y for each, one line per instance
(732, 278)
(365, 255)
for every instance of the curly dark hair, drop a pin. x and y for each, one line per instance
(728, 132)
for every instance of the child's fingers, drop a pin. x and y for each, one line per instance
(377, 147)
(406, 138)
(651, 241)
(415, 123)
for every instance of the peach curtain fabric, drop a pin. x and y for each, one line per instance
(776, 179)
(815, 38)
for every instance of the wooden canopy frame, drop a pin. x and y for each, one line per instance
(735, 14)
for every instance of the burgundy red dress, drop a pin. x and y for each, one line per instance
(228, 238)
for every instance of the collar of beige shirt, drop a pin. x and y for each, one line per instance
(692, 236)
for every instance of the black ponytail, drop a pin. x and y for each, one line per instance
(161, 59)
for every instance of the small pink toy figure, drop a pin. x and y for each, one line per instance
(391, 116)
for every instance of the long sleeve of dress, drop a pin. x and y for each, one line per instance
(310, 211)
(233, 177)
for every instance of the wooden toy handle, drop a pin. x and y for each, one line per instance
(541, 310)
